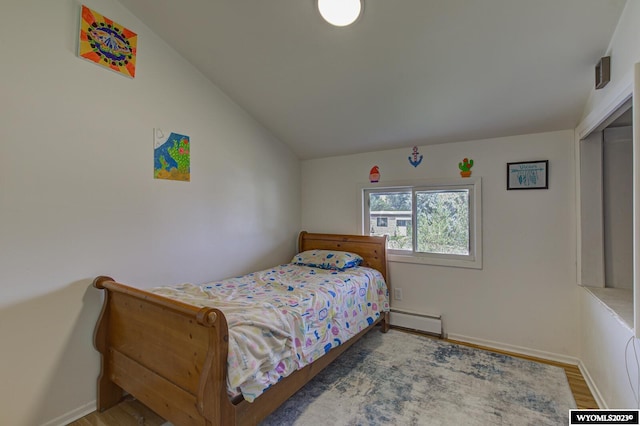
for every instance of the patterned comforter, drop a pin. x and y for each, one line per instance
(284, 318)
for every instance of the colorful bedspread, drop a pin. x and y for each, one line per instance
(284, 318)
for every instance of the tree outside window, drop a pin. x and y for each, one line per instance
(427, 221)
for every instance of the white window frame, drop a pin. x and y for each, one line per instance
(474, 185)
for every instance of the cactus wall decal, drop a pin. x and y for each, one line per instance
(465, 167)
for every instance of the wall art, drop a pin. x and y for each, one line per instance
(528, 175)
(374, 174)
(465, 167)
(415, 158)
(171, 156)
(107, 43)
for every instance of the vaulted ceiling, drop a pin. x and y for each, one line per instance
(408, 72)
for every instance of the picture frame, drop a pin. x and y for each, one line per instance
(528, 175)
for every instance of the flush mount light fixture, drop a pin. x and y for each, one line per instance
(340, 12)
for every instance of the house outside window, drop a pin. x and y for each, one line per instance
(429, 222)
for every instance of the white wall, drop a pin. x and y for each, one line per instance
(618, 207)
(603, 339)
(525, 297)
(591, 266)
(624, 50)
(78, 198)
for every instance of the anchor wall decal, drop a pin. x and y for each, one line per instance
(414, 160)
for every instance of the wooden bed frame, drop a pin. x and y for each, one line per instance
(173, 356)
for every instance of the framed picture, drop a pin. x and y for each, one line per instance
(528, 175)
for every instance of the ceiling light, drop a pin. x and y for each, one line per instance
(340, 12)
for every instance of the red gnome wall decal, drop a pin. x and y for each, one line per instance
(374, 174)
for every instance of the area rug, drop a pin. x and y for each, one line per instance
(399, 378)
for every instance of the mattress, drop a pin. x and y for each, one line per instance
(283, 318)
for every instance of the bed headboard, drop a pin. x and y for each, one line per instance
(372, 249)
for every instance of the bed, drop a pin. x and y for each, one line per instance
(172, 354)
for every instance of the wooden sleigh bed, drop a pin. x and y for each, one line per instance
(172, 356)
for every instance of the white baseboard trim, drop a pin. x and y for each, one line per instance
(550, 356)
(73, 415)
(592, 387)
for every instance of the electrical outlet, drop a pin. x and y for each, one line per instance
(397, 294)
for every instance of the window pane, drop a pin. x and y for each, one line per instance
(443, 222)
(390, 214)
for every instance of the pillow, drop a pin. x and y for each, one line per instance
(327, 259)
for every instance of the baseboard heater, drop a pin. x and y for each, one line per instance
(429, 324)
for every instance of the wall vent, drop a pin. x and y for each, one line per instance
(424, 323)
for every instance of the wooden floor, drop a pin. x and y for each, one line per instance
(132, 413)
(129, 412)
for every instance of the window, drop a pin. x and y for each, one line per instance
(435, 222)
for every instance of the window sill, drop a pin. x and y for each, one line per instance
(619, 301)
(427, 260)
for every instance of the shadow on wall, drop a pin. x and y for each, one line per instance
(48, 354)
(51, 362)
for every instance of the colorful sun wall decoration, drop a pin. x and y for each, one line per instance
(171, 156)
(107, 43)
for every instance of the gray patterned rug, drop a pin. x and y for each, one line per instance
(403, 379)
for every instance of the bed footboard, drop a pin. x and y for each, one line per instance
(169, 355)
